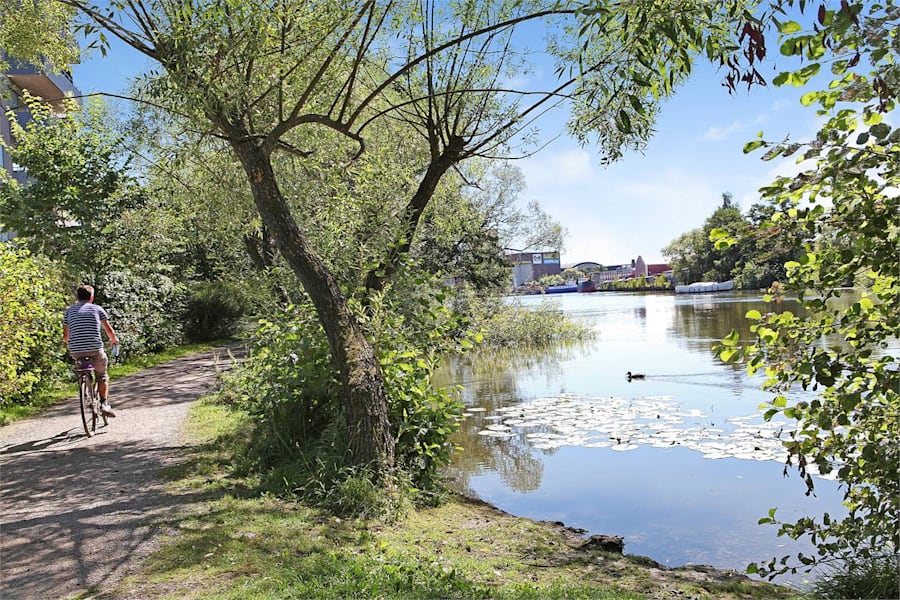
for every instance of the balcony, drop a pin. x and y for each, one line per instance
(52, 87)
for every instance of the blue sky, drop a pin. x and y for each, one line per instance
(641, 203)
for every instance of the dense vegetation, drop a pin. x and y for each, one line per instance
(756, 261)
(833, 224)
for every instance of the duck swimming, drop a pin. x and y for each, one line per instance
(629, 375)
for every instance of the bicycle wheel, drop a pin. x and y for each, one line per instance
(86, 400)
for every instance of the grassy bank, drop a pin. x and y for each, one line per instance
(232, 540)
(68, 389)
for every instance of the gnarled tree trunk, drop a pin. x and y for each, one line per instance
(370, 442)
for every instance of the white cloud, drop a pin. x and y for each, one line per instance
(717, 134)
(560, 169)
(615, 214)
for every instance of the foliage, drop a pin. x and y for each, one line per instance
(37, 32)
(287, 384)
(843, 205)
(30, 323)
(647, 50)
(688, 255)
(511, 324)
(213, 310)
(77, 183)
(145, 310)
(694, 257)
(494, 189)
(290, 389)
(875, 578)
(423, 416)
(460, 244)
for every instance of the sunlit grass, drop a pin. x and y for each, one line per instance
(234, 539)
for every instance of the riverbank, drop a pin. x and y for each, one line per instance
(229, 540)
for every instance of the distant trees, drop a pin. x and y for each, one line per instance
(754, 262)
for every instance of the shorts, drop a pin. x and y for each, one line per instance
(100, 362)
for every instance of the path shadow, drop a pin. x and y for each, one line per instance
(77, 510)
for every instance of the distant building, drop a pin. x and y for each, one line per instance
(636, 268)
(531, 266)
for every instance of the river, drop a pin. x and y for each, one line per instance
(679, 463)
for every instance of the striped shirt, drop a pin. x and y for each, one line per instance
(83, 319)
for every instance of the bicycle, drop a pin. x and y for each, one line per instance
(88, 395)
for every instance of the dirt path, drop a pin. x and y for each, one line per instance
(75, 509)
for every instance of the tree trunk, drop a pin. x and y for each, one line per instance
(437, 168)
(367, 423)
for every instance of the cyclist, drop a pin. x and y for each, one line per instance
(82, 323)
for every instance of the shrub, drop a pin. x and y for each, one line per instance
(31, 306)
(291, 389)
(214, 310)
(504, 324)
(288, 384)
(876, 578)
(145, 310)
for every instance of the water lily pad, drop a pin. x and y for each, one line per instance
(496, 434)
(625, 447)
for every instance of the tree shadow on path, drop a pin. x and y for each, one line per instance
(76, 510)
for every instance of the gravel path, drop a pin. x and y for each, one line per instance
(75, 510)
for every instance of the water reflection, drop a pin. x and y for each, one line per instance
(562, 435)
(490, 383)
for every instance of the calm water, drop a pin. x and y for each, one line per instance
(680, 464)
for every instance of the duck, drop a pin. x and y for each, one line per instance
(629, 375)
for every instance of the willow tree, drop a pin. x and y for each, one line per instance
(256, 73)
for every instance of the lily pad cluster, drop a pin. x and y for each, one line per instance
(623, 424)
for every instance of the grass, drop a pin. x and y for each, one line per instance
(68, 389)
(234, 540)
(878, 577)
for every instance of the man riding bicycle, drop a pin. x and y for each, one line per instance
(81, 334)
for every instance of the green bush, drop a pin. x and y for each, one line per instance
(145, 310)
(876, 578)
(505, 324)
(31, 306)
(292, 391)
(214, 310)
(288, 383)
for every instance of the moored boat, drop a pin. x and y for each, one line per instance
(587, 285)
(705, 287)
(560, 289)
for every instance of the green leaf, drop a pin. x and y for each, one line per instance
(729, 354)
(789, 27)
(753, 314)
(731, 339)
(809, 98)
(751, 146)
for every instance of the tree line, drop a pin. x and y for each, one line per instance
(754, 262)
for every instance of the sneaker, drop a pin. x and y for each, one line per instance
(106, 409)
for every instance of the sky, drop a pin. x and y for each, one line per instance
(638, 205)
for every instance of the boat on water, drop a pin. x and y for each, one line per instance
(561, 289)
(705, 287)
(587, 286)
